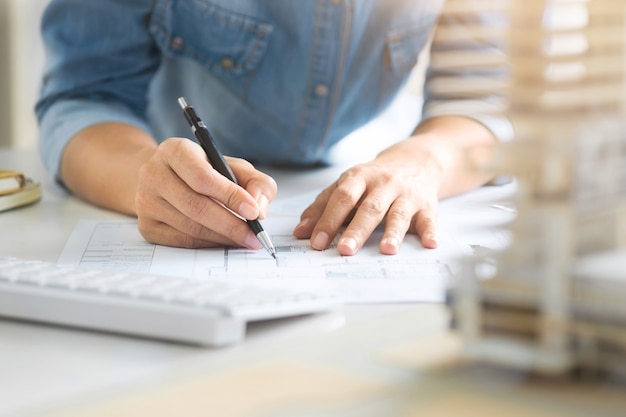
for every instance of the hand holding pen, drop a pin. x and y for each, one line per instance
(202, 134)
(179, 198)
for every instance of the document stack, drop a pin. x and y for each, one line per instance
(553, 302)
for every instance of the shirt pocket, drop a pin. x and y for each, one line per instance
(229, 44)
(403, 45)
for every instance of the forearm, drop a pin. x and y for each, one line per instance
(101, 163)
(439, 146)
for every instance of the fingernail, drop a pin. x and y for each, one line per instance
(432, 236)
(252, 242)
(247, 211)
(303, 223)
(391, 242)
(348, 242)
(431, 240)
(320, 241)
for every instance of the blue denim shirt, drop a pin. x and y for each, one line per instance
(276, 81)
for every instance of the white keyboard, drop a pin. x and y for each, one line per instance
(178, 309)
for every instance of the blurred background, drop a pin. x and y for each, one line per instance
(21, 66)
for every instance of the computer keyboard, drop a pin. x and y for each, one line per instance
(206, 312)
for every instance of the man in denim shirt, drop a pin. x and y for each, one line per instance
(277, 82)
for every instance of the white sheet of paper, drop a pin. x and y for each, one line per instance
(415, 274)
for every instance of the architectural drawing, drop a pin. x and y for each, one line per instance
(414, 275)
(554, 301)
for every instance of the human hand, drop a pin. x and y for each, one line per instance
(180, 199)
(400, 188)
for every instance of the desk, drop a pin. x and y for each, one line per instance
(44, 368)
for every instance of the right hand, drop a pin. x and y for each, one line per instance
(180, 199)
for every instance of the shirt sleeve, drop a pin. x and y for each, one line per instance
(100, 60)
(468, 70)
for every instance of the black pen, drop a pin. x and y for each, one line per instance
(201, 132)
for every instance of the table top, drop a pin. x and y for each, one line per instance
(361, 360)
(52, 364)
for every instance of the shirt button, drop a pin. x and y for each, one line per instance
(227, 63)
(321, 90)
(176, 43)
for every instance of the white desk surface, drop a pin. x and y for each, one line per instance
(44, 367)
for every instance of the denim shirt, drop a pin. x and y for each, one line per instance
(276, 81)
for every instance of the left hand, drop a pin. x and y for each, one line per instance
(400, 188)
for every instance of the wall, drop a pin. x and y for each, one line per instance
(5, 116)
(21, 66)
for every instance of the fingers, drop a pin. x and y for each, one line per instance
(362, 199)
(191, 166)
(167, 226)
(398, 222)
(181, 201)
(323, 219)
(311, 214)
(426, 226)
(259, 185)
(164, 223)
(370, 213)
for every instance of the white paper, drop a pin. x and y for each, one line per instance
(415, 274)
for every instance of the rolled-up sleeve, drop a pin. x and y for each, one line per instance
(100, 60)
(469, 72)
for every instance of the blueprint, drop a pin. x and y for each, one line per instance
(415, 274)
